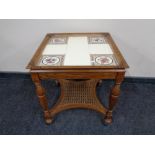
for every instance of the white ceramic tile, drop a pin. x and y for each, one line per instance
(77, 52)
(55, 49)
(99, 49)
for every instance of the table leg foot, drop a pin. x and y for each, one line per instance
(107, 120)
(49, 120)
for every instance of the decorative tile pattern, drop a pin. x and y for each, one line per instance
(103, 60)
(52, 60)
(58, 40)
(96, 40)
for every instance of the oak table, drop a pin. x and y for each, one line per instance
(78, 62)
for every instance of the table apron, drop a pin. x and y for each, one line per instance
(89, 75)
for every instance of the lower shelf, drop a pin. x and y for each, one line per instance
(78, 94)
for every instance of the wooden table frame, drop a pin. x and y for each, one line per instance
(96, 73)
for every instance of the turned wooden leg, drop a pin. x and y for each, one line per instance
(42, 98)
(115, 92)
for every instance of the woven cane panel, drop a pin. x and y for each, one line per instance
(79, 92)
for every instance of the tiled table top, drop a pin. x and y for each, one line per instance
(77, 51)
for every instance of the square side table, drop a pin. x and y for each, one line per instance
(78, 62)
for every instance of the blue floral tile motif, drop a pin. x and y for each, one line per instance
(96, 40)
(103, 60)
(58, 40)
(52, 60)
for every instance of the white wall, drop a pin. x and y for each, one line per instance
(135, 38)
